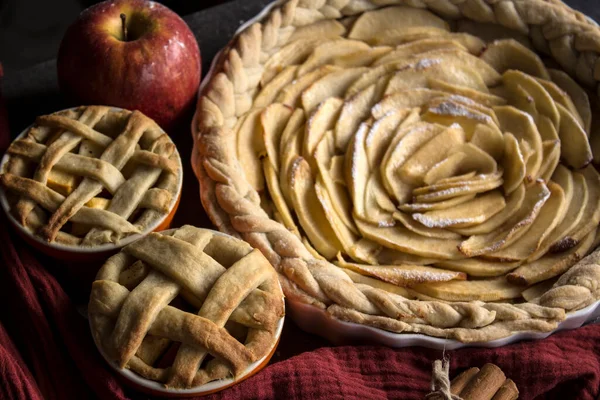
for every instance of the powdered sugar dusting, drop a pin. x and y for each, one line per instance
(426, 63)
(360, 137)
(402, 275)
(441, 222)
(448, 108)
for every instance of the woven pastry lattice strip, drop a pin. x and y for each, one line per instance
(108, 173)
(263, 74)
(137, 307)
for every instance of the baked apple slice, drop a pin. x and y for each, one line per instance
(249, 146)
(291, 95)
(551, 265)
(513, 164)
(481, 97)
(331, 85)
(479, 267)
(400, 238)
(507, 54)
(402, 275)
(522, 126)
(413, 48)
(272, 90)
(469, 213)
(576, 195)
(291, 54)
(575, 147)
(413, 224)
(326, 29)
(322, 120)
(591, 214)
(440, 205)
(371, 23)
(400, 37)
(551, 159)
(412, 138)
(419, 74)
(446, 168)
(514, 201)
(362, 58)
(548, 218)
(496, 289)
(513, 229)
(309, 210)
(577, 95)
(433, 151)
(326, 52)
(404, 99)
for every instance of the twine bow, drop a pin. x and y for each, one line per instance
(440, 382)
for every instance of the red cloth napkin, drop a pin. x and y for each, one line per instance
(46, 351)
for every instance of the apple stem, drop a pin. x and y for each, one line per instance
(123, 20)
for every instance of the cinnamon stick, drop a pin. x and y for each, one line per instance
(508, 391)
(462, 380)
(485, 384)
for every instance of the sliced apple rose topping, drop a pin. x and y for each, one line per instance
(411, 155)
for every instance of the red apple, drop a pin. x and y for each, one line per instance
(134, 54)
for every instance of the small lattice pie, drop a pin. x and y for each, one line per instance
(91, 175)
(186, 307)
(418, 166)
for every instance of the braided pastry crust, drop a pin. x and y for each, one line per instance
(237, 208)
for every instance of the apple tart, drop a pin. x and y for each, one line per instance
(91, 175)
(418, 166)
(186, 306)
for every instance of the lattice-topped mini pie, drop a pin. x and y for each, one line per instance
(186, 307)
(91, 175)
(419, 166)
